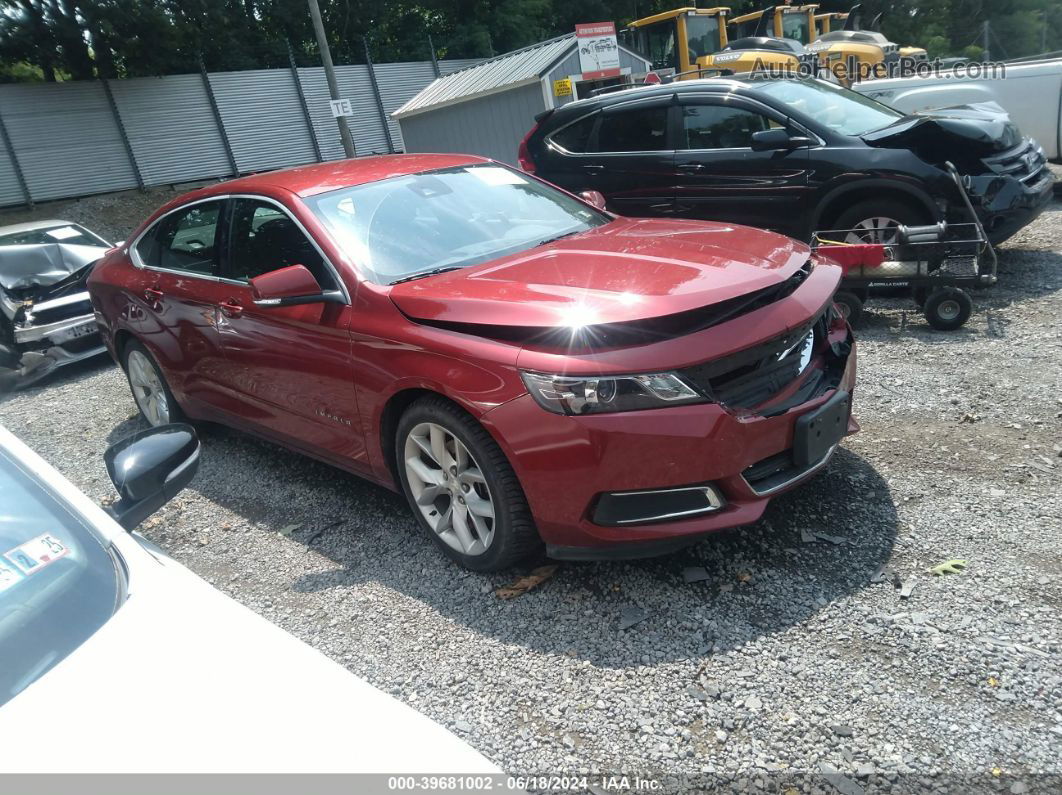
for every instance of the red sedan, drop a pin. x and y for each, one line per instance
(524, 366)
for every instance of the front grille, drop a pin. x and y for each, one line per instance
(753, 376)
(1025, 162)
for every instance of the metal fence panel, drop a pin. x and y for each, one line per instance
(399, 83)
(263, 118)
(10, 189)
(171, 128)
(66, 139)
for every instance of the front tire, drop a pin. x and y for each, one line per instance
(150, 391)
(875, 220)
(461, 488)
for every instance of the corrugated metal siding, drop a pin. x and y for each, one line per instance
(10, 190)
(491, 75)
(399, 83)
(490, 126)
(263, 118)
(366, 127)
(66, 139)
(171, 128)
(69, 143)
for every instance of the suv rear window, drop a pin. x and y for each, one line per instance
(635, 130)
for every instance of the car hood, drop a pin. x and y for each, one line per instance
(184, 679)
(43, 264)
(981, 129)
(627, 270)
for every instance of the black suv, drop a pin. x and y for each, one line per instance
(793, 155)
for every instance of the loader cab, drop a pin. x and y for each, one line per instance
(674, 41)
(824, 23)
(782, 22)
(856, 48)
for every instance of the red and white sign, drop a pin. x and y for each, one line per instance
(598, 50)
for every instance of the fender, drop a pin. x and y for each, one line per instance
(924, 200)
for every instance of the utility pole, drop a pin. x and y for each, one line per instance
(330, 75)
(984, 38)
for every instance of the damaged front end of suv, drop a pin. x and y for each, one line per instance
(46, 318)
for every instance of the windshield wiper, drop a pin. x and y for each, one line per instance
(559, 237)
(432, 272)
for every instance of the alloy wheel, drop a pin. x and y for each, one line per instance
(449, 489)
(877, 229)
(148, 389)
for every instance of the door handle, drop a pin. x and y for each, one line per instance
(594, 169)
(231, 307)
(691, 166)
(152, 296)
(665, 207)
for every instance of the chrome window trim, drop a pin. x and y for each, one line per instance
(134, 255)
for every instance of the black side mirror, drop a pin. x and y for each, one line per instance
(149, 469)
(769, 140)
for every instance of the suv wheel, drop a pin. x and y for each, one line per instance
(150, 390)
(461, 488)
(875, 220)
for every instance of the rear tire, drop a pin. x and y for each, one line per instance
(948, 308)
(850, 305)
(151, 393)
(878, 218)
(447, 463)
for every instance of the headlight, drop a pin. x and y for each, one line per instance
(592, 395)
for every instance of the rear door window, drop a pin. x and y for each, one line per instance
(634, 130)
(185, 240)
(576, 136)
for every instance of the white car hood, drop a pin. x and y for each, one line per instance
(184, 679)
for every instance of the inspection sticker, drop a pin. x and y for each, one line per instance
(36, 553)
(495, 175)
(63, 232)
(8, 577)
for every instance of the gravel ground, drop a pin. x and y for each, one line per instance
(788, 659)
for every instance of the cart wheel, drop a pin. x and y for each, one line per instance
(948, 308)
(920, 294)
(850, 305)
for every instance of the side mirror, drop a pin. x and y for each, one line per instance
(594, 197)
(770, 140)
(291, 286)
(149, 468)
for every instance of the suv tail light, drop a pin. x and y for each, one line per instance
(523, 156)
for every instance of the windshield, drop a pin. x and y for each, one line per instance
(451, 218)
(843, 111)
(71, 234)
(702, 35)
(795, 26)
(58, 584)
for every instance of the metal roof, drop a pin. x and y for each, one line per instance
(487, 77)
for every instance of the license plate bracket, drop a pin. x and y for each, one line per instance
(819, 430)
(78, 331)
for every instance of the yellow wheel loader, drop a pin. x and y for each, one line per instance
(783, 22)
(854, 53)
(688, 43)
(824, 23)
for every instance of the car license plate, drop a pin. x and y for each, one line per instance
(78, 331)
(818, 431)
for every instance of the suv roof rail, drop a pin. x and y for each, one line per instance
(618, 87)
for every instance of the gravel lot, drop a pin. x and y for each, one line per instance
(788, 659)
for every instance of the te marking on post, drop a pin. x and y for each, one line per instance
(341, 107)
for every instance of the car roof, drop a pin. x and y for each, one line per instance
(318, 178)
(29, 226)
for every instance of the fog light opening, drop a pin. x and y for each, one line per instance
(657, 505)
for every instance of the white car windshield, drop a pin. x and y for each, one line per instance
(58, 584)
(837, 108)
(408, 226)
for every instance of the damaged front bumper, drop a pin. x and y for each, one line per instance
(50, 334)
(1019, 188)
